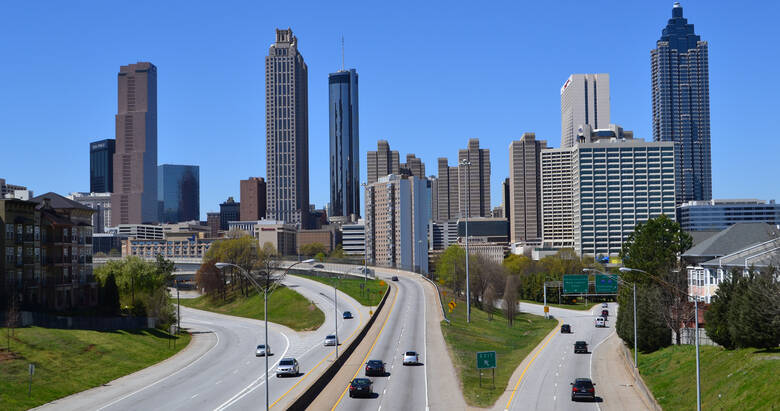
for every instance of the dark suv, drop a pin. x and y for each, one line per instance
(605, 313)
(376, 368)
(583, 388)
(580, 347)
(565, 329)
(360, 387)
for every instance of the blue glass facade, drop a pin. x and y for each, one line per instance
(101, 166)
(681, 105)
(344, 143)
(718, 215)
(178, 189)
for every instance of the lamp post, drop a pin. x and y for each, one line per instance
(365, 248)
(696, 329)
(264, 290)
(467, 163)
(336, 314)
(633, 283)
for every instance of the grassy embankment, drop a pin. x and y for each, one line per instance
(576, 306)
(71, 361)
(351, 287)
(511, 345)
(285, 307)
(744, 379)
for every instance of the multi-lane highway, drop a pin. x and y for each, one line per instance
(545, 383)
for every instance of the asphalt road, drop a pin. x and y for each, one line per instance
(227, 375)
(403, 387)
(545, 385)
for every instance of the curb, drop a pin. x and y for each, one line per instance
(647, 396)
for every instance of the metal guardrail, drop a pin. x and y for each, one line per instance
(438, 296)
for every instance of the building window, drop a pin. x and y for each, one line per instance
(37, 233)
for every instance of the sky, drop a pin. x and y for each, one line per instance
(432, 75)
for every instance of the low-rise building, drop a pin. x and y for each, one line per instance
(488, 237)
(278, 234)
(442, 234)
(141, 231)
(353, 238)
(719, 214)
(321, 236)
(169, 248)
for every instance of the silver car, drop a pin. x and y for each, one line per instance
(287, 366)
(330, 340)
(262, 350)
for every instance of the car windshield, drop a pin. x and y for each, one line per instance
(330, 337)
(261, 346)
(375, 363)
(411, 353)
(360, 381)
(286, 362)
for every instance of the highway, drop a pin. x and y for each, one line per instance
(545, 384)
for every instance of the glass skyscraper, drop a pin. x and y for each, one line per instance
(344, 143)
(681, 105)
(178, 189)
(101, 166)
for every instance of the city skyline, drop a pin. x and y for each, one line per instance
(538, 111)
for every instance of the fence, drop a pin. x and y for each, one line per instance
(688, 337)
(45, 320)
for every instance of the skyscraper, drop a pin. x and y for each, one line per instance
(287, 131)
(229, 211)
(101, 166)
(253, 194)
(344, 143)
(525, 222)
(381, 162)
(681, 105)
(178, 188)
(447, 192)
(134, 199)
(474, 180)
(584, 100)
(413, 166)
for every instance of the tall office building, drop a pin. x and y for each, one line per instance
(101, 166)
(506, 202)
(381, 162)
(434, 197)
(413, 166)
(253, 194)
(447, 192)
(178, 188)
(474, 180)
(287, 131)
(525, 190)
(229, 211)
(134, 199)
(213, 221)
(344, 143)
(557, 176)
(681, 104)
(584, 100)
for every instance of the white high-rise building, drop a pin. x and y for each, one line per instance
(584, 100)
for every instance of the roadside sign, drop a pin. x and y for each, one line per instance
(606, 284)
(575, 283)
(546, 309)
(486, 359)
(452, 305)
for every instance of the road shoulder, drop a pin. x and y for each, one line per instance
(616, 380)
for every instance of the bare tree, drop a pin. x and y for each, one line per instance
(489, 301)
(12, 320)
(673, 303)
(510, 299)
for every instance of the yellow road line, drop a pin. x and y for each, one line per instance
(369, 350)
(552, 334)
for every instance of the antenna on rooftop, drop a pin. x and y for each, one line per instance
(342, 52)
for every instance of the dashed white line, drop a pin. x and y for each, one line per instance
(194, 396)
(219, 382)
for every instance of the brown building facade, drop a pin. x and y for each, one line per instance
(474, 180)
(525, 188)
(381, 162)
(252, 199)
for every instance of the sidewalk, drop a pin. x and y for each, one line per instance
(617, 385)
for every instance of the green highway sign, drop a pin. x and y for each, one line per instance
(575, 283)
(486, 359)
(606, 284)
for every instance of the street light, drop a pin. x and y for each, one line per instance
(467, 163)
(264, 291)
(696, 319)
(365, 249)
(633, 283)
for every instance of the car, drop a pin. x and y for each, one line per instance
(287, 366)
(331, 340)
(583, 388)
(580, 347)
(262, 350)
(565, 329)
(394, 278)
(411, 358)
(347, 315)
(604, 305)
(601, 322)
(319, 266)
(605, 313)
(360, 387)
(375, 367)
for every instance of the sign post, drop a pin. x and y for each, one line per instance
(32, 371)
(485, 360)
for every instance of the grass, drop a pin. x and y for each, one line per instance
(576, 306)
(285, 307)
(511, 345)
(70, 361)
(351, 286)
(744, 379)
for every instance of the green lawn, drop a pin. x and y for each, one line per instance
(743, 379)
(285, 307)
(577, 306)
(511, 345)
(70, 361)
(351, 286)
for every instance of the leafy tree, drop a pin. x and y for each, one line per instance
(753, 313)
(313, 249)
(717, 316)
(452, 269)
(338, 252)
(210, 279)
(110, 293)
(136, 279)
(320, 257)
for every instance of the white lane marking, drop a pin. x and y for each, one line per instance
(194, 396)
(247, 363)
(254, 384)
(219, 382)
(555, 397)
(425, 342)
(384, 392)
(164, 378)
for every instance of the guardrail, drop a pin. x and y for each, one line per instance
(438, 296)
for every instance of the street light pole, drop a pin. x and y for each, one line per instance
(467, 163)
(636, 355)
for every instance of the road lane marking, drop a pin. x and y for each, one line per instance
(219, 382)
(194, 396)
(552, 334)
(370, 349)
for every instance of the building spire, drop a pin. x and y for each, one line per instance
(342, 52)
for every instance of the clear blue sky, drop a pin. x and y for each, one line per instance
(431, 77)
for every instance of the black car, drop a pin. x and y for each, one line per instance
(347, 315)
(360, 387)
(583, 388)
(605, 313)
(376, 368)
(565, 329)
(395, 278)
(580, 347)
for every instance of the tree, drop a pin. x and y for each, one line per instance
(717, 316)
(136, 279)
(510, 299)
(338, 252)
(12, 320)
(313, 249)
(489, 301)
(110, 293)
(210, 279)
(451, 268)
(753, 312)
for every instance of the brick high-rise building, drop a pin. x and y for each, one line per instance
(381, 162)
(287, 131)
(253, 195)
(213, 221)
(447, 192)
(134, 199)
(474, 180)
(525, 223)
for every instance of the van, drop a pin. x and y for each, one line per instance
(601, 322)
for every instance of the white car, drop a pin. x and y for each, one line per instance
(411, 357)
(330, 340)
(601, 322)
(262, 350)
(287, 366)
(604, 305)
